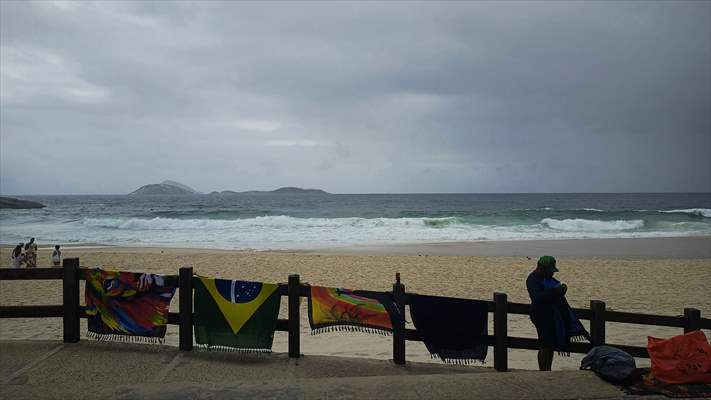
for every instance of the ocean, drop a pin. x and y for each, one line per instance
(305, 221)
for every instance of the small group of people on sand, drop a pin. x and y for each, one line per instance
(26, 253)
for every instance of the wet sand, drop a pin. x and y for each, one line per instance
(654, 284)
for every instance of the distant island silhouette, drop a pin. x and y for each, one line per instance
(9, 202)
(175, 188)
(164, 188)
(281, 190)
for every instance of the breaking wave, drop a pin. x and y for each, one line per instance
(587, 225)
(699, 212)
(361, 220)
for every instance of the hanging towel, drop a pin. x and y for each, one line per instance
(453, 329)
(235, 315)
(127, 306)
(567, 326)
(333, 309)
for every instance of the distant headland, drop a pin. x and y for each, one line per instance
(164, 188)
(282, 190)
(9, 202)
(175, 188)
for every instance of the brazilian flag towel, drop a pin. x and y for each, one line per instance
(235, 315)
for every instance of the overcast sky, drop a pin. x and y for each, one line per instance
(356, 97)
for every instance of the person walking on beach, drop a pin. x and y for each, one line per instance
(56, 256)
(542, 303)
(16, 256)
(31, 253)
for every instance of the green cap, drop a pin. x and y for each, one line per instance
(548, 263)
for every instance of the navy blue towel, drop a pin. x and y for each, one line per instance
(453, 329)
(567, 325)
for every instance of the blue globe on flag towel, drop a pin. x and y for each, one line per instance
(238, 291)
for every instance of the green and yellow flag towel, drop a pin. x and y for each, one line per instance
(235, 315)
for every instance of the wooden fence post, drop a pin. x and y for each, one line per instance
(70, 299)
(293, 291)
(501, 361)
(185, 330)
(693, 319)
(597, 323)
(399, 323)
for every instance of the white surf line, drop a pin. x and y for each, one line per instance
(166, 370)
(29, 366)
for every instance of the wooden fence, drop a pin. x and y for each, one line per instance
(70, 311)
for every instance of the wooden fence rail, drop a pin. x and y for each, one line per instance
(70, 311)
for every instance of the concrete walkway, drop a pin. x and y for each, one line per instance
(34, 369)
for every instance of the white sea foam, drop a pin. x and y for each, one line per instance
(591, 225)
(701, 212)
(286, 232)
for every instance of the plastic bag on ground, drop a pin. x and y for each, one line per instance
(681, 359)
(609, 363)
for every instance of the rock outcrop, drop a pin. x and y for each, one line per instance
(164, 188)
(9, 202)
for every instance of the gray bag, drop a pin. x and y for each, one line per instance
(610, 364)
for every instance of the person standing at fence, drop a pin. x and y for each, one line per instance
(16, 256)
(542, 312)
(56, 256)
(31, 253)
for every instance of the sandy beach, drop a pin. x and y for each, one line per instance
(626, 281)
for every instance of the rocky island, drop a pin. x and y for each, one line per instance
(175, 188)
(9, 202)
(164, 188)
(282, 190)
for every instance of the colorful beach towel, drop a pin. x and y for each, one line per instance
(648, 384)
(453, 329)
(235, 315)
(567, 325)
(334, 309)
(127, 306)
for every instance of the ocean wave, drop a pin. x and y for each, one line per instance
(440, 222)
(561, 209)
(699, 212)
(588, 225)
(287, 232)
(271, 222)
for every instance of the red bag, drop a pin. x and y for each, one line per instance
(681, 359)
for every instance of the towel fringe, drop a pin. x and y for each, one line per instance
(457, 361)
(114, 337)
(229, 349)
(350, 328)
(578, 338)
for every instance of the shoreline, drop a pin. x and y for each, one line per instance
(686, 247)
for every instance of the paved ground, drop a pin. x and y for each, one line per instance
(34, 369)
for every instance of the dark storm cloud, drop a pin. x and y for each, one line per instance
(356, 97)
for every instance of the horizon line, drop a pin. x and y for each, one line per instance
(354, 193)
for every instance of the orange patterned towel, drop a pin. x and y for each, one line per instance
(333, 309)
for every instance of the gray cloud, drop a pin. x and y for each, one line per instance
(356, 97)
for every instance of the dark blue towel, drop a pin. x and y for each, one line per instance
(567, 326)
(453, 329)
